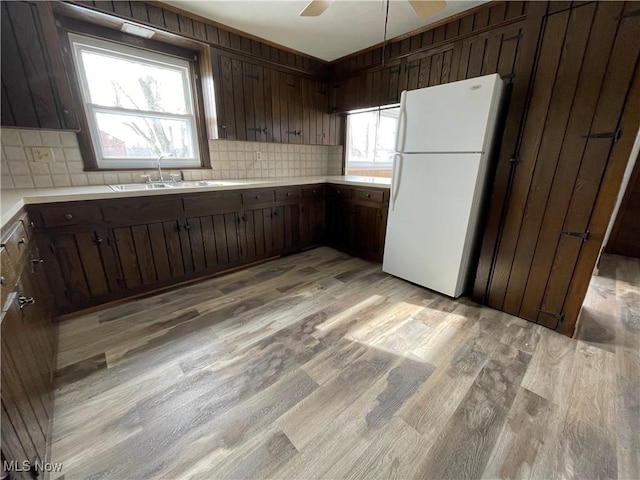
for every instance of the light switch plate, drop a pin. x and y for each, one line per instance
(42, 154)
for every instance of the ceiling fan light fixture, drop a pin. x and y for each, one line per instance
(315, 8)
(426, 8)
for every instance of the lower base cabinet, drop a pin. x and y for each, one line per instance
(28, 349)
(104, 250)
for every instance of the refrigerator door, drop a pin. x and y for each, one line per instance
(454, 117)
(432, 219)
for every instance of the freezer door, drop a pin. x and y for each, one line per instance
(454, 117)
(432, 217)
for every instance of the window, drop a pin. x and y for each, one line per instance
(371, 137)
(139, 104)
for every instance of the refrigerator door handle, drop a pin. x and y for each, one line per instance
(401, 130)
(395, 179)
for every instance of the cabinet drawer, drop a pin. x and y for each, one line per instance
(339, 192)
(8, 280)
(376, 196)
(257, 197)
(212, 203)
(313, 192)
(283, 194)
(17, 244)
(65, 215)
(143, 209)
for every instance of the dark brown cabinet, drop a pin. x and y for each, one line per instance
(258, 103)
(356, 220)
(28, 347)
(313, 216)
(104, 250)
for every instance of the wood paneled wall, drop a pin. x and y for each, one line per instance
(551, 203)
(625, 235)
(188, 25)
(483, 42)
(29, 94)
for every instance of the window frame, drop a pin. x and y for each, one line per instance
(178, 47)
(80, 43)
(364, 165)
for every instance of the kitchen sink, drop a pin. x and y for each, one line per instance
(140, 186)
(132, 187)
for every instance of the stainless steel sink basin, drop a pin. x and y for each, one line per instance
(132, 187)
(140, 186)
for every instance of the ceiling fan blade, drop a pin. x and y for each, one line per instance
(424, 8)
(315, 8)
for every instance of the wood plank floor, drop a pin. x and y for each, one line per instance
(318, 365)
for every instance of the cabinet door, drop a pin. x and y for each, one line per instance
(213, 241)
(285, 229)
(25, 393)
(367, 232)
(312, 223)
(256, 233)
(341, 224)
(149, 254)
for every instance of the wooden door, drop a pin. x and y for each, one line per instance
(256, 233)
(213, 241)
(368, 221)
(584, 70)
(285, 228)
(312, 223)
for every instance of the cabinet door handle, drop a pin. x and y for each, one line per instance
(187, 227)
(2, 281)
(275, 213)
(368, 195)
(257, 197)
(22, 241)
(37, 261)
(67, 216)
(288, 194)
(25, 301)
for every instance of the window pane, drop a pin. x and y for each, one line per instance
(372, 136)
(127, 83)
(137, 136)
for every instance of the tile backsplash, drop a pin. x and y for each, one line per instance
(229, 160)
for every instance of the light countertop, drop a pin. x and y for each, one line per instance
(13, 200)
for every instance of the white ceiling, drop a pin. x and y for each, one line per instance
(347, 26)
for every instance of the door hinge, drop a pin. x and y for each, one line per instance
(583, 235)
(615, 135)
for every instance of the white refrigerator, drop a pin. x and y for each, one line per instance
(440, 165)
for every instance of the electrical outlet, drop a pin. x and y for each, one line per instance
(258, 156)
(42, 154)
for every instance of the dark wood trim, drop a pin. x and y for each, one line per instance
(112, 33)
(624, 235)
(428, 28)
(71, 25)
(232, 30)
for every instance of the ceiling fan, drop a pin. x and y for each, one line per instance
(423, 8)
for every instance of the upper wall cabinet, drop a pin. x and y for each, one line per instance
(257, 102)
(30, 96)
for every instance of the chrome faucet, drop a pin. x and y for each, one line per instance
(160, 178)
